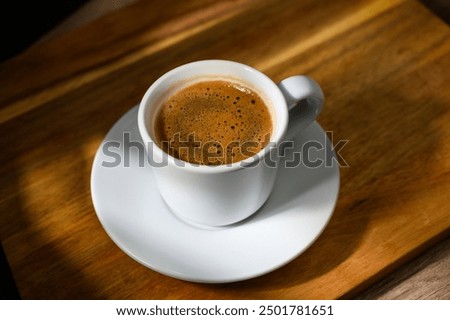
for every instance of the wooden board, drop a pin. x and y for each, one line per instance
(383, 67)
(426, 277)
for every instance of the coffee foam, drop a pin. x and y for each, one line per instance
(208, 122)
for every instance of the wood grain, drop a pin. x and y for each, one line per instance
(426, 277)
(387, 92)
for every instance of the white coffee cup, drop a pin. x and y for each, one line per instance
(226, 194)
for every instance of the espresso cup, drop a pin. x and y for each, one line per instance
(226, 194)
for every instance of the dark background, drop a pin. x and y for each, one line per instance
(17, 32)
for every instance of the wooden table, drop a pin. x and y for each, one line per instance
(383, 66)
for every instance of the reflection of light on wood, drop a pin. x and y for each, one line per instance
(55, 201)
(43, 189)
(165, 35)
(329, 32)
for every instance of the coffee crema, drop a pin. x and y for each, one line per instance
(213, 122)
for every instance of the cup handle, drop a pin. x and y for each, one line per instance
(304, 99)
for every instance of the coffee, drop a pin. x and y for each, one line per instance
(213, 122)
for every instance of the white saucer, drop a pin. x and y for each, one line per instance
(136, 218)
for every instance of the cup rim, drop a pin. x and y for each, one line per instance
(280, 110)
